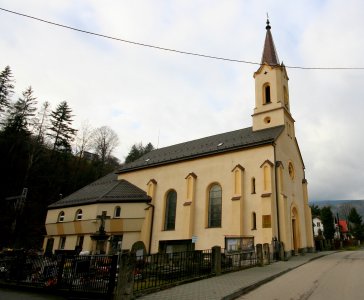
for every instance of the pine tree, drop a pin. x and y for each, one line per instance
(6, 88)
(137, 151)
(61, 131)
(327, 219)
(20, 115)
(357, 224)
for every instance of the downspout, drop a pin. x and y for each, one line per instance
(276, 187)
(151, 227)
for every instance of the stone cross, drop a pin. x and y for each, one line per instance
(102, 217)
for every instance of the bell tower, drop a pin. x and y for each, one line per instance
(271, 90)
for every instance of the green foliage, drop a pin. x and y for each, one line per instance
(21, 113)
(315, 210)
(27, 162)
(327, 219)
(6, 88)
(61, 131)
(356, 224)
(137, 151)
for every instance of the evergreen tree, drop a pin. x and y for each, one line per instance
(20, 115)
(61, 131)
(327, 219)
(315, 210)
(6, 88)
(357, 224)
(137, 151)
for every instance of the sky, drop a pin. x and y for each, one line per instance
(149, 95)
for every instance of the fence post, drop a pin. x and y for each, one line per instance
(216, 260)
(260, 255)
(112, 277)
(266, 254)
(60, 268)
(125, 285)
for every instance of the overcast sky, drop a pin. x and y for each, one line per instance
(148, 95)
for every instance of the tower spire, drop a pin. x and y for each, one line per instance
(269, 56)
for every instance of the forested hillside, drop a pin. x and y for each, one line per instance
(42, 157)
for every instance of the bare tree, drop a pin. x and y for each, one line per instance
(345, 209)
(84, 138)
(41, 122)
(105, 140)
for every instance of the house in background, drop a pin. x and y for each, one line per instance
(105, 216)
(341, 230)
(318, 228)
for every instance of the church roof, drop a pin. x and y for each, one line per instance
(104, 190)
(270, 55)
(216, 144)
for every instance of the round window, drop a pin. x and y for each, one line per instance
(267, 120)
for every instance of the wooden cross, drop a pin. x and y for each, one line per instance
(102, 217)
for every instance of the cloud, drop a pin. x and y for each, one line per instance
(165, 98)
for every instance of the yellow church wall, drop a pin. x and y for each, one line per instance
(129, 224)
(236, 214)
(292, 192)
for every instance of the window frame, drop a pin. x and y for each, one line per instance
(117, 212)
(214, 217)
(170, 210)
(79, 215)
(60, 218)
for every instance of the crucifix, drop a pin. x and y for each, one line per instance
(102, 217)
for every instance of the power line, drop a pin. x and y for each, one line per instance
(169, 49)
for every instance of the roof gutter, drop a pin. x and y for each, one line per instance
(151, 227)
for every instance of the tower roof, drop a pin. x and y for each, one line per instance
(269, 56)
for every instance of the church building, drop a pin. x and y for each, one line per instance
(222, 189)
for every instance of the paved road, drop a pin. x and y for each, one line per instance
(337, 276)
(7, 294)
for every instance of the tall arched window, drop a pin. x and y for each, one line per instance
(78, 215)
(254, 221)
(267, 98)
(215, 204)
(253, 185)
(117, 212)
(61, 216)
(170, 216)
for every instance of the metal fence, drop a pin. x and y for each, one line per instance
(84, 275)
(238, 260)
(160, 270)
(96, 275)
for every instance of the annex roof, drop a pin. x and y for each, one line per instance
(104, 190)
(216, 144)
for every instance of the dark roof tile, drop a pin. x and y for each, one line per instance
(104, 190)
(220, 143)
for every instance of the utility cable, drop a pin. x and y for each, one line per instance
(169, 49)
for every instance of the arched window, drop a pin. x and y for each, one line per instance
(117, 212)
(215, 204)
(267, 98)
(61, 216)
(254, 221)
(78, 214)
(170, 215)
(253, 185)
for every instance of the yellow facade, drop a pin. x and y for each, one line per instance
(263, 188)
